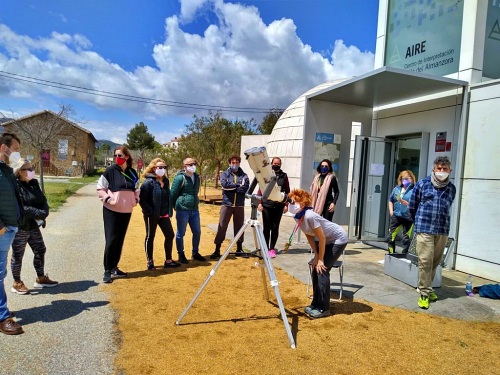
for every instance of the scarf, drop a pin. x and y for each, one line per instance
(319, 193)
(439, 184)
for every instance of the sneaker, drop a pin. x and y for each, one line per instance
(433, 296)
(215, 255)
(45, 282)
(19, 288)
(423, 302)
(308, 309)
(198, 257)
(183, 259)
(107, 277)
(171, 264)
(117, 273)
(390, 249)
(151, 266)
(317, 313)
(272, 253)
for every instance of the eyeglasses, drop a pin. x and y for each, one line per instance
(27, 169)
(190, 164)
(161, 167)
(324, 166)
(118, 156)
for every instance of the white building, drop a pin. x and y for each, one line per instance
(431, 57)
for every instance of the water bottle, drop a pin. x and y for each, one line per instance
(468, 286)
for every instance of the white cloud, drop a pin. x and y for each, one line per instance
(238, 62)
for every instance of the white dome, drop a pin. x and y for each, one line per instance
(288, 134)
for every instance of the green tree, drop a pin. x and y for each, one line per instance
(269, 121)
(212, 139)
(139, 139)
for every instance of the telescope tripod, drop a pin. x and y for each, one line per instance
(265, 261)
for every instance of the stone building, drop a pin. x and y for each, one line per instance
(69, 152)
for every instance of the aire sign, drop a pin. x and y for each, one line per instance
(424, 36)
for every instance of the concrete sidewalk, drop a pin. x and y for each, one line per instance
(364, 278)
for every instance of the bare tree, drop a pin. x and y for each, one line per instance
(40, 132)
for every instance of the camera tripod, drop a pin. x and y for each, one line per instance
(265, 260)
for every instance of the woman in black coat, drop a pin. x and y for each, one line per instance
(324, 190)
(154, 201)
(36, 211)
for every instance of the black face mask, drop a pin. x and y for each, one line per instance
(276, 168)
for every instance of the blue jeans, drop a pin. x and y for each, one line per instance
(185, 217)
(5, 242)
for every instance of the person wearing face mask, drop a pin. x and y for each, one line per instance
(154, 201)
(272, 212)
(11, 214)
(327, 239)
(398, 211)
(184, 199)
(36, 211)
(430, 206)
(118, 189)
(235, 183)
(324, 190)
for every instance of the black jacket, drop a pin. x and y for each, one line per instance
(151, 195)
(11, 211)
(34, 203)
(281, 181)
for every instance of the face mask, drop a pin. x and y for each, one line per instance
(30, 175)
(234, 168)
(276, 168)
(120, 161)
(324, 169)
(160, 172)
(191, 169)
(406, 182)
(294, 208)
(441, 176)
(14, 157)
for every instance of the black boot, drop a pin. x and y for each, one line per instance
(239, 251)
(216, 254)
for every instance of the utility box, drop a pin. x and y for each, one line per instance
(402, 269)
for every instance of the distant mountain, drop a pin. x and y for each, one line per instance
(101, 142)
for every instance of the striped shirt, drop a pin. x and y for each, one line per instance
(430, 207)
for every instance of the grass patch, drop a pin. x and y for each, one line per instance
(57, 192)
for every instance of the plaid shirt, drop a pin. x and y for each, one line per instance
(430, 207)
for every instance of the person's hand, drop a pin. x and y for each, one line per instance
(391, 213)
(2, 231)
(403, 202)
(259, 207)
(285, 209)
(320, 267)
(331, 208)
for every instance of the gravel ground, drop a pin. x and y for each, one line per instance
(69, 329)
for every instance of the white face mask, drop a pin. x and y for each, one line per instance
(30, 175)
(160, 172)
(191, 169)
(294, 208)
(14, 158)
(442, 176)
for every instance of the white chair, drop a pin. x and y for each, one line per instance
(339, 264)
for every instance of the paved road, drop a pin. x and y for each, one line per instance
(69, 328)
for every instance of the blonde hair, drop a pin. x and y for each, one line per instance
(151, 166)
(20, 163)
(407, 172)
(300, 196)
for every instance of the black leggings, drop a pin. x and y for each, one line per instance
(152, 222)
(115, 229)
(271, 217)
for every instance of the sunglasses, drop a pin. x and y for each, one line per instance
(27, 169)
(190, 164)
(118, 156)
(161, 167)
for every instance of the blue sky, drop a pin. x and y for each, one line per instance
(245, 54)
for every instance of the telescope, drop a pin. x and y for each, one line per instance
(264, 176)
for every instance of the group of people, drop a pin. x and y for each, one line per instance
(23, 210)
(424, 208)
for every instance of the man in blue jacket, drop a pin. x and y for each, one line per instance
(10, 215)
(234, 184)
(430, 206)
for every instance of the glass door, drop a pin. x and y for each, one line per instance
(372, 183)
